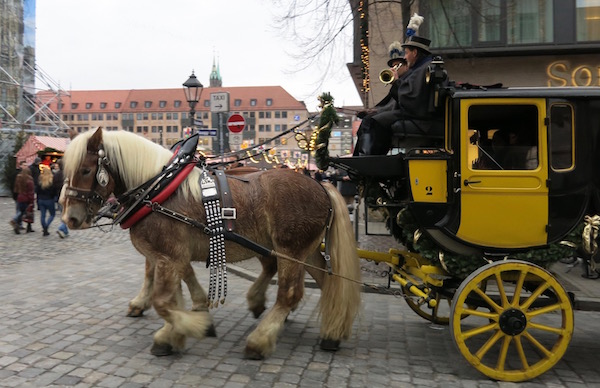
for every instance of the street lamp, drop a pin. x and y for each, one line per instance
(192, 89)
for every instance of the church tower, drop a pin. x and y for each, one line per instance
(215, 76)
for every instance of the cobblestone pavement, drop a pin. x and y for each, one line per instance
(62, 323)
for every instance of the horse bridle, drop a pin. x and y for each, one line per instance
(92, 196)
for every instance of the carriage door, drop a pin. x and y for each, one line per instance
(504, 172)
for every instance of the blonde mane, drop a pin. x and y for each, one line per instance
(133, 157)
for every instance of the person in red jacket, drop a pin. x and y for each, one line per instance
(25, 190)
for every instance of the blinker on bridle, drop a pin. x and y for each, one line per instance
(102, 177)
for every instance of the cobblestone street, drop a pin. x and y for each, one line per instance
(63, 324)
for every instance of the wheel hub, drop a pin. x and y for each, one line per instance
(512, 322)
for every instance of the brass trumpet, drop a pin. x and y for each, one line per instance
(386, 76)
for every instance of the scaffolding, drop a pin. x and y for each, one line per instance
(32, 112)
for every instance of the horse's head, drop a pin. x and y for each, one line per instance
(88, 180)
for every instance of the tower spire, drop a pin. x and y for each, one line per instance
(215, 74)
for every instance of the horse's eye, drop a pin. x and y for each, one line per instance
(86, 171)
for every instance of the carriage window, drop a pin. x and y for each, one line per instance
(503, 137)
(561, 136)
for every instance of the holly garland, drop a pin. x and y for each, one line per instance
(328, 118)
(460, 266)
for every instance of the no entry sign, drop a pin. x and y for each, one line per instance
(236, 123)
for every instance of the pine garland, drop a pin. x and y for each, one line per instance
(328, 118)
(460, 266)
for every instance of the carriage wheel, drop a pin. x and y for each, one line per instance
(526, 328)
(440, 314)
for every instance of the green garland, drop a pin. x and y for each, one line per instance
(462, 266)
(328, 118)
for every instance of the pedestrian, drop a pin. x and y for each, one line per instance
(63, 230)
(25, 197)
(46, 197)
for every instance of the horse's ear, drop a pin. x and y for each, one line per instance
(95, 141)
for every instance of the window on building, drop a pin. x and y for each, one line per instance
(148, 104)
(103, 105)
(74, 105)
(277, 128)
(561, 136)
(253, 102)
(117, 105)
(267, 115)
(268, 128)
(284, 115)
(177, 104)
(207, 103)
(88, 105)
(162, 104)
(449, 23)
(252, 114)
(529, 21)
(261, 128)
(138, 116)
(237, 102)
(588, 20)
(489, 22)
(261, 115)
(154, 116)
(269, 101)
(133, 104)
(277, 114)
(61, 105)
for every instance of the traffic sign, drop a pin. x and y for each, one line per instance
(236, 123)
(236, 139)
(207, 132)
(219, 102)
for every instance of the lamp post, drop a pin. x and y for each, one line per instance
(192, 89)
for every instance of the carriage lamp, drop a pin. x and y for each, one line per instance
(193, 90)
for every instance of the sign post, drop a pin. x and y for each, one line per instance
(236, 124)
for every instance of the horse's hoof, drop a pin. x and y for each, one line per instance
(258, 310)
(135, 312)
(253, 354)
(160, 350)
(211, 331)
(330, 345)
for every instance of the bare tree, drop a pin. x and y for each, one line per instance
(323, 30)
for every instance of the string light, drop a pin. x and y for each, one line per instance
(364, 49)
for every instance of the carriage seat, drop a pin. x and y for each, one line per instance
(373, 166)
(413, 133)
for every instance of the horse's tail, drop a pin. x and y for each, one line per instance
(340, 295)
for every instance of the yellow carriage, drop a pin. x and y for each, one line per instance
(483, 215)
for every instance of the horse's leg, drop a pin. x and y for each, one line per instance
(199, 298)
(261, 342)
(168, 303)
(143, 300)
(256, 295)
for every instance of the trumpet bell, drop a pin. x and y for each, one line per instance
(386, 76)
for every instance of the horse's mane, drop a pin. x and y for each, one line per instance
(133, 157)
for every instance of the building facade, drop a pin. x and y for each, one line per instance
(162, 115)
(514, 42)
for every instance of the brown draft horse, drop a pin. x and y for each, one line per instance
(279, 209)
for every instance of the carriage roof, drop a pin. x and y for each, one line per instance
(526, 92)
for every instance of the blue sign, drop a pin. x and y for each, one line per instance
(207, 132)
(297, 118)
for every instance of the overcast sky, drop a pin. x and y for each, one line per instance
(146, 44)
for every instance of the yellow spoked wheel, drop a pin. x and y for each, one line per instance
(523, 325)
(440, 314)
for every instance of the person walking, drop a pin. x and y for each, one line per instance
(24, 189)
(46, 195)
(63, 230)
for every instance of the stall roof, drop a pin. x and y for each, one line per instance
(34, 144)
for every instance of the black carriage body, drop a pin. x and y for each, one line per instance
(470, 198)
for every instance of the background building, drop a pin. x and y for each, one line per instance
(513, 42)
